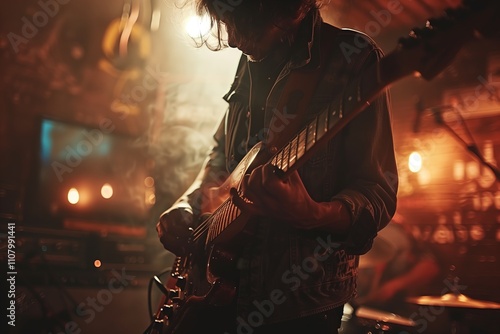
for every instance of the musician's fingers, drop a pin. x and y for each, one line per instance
(244, 183)
(270, 174)
(160, 230)
(244, 203)
(253, 192)
(255, 179)
(249, 189)
(269, 179)
(275, 183)
(294, 178)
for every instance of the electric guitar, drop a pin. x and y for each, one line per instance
(200, 282)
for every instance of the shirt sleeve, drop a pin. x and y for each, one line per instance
(212, 173)
(370, 192)
(214, 170)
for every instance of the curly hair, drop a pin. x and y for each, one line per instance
(248, 17)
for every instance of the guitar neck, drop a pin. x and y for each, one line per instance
(339, 113)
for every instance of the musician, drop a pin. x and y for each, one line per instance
(299, 267)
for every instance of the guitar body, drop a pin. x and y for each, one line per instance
(214, 197)
(196, 304)
(203, 283)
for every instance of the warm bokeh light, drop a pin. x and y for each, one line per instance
(97, 263)
(472, 169)
(197, 26)
(73, 196)
(149, 182)
(151, 199)
(424, 177)
(458, 170)
(107, 191)
(415, 162)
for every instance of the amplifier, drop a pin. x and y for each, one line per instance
(52, 247)
(139, 254)
(82, 257)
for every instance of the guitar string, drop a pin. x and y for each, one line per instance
(205, 225)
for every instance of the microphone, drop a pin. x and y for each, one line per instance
(419, 107)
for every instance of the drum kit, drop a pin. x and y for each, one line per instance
(360, 319)
(366, 320)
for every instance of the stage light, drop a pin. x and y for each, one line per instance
(197, 26)
(97, 263)
(73, 196)
(415, 162)
(107, 191)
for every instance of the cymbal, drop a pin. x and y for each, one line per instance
(381, 316)
(382, 251)
(453, 300)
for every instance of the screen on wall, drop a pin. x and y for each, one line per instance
(88, 174)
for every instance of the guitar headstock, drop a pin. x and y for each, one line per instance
(430, 49)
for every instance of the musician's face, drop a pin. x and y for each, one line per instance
(256, 44)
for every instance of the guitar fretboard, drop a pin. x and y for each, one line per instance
(305, 140)
(318, 131)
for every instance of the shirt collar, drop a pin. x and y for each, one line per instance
(306, 50)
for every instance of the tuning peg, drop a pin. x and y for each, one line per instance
(421, 32)
(415, 32)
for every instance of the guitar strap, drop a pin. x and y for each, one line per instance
(297, 94)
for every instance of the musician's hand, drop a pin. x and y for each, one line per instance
(173, 229)
(264, 193)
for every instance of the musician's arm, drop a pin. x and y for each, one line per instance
(368, 201)
(182, 215)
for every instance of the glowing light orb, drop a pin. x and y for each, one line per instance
(415, 162)
(107, 191)
(73, 196)
(149, 182)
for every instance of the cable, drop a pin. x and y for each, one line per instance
(150, 290)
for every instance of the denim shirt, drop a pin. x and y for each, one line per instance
(287, 273)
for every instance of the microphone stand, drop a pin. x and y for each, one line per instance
(472, 147)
